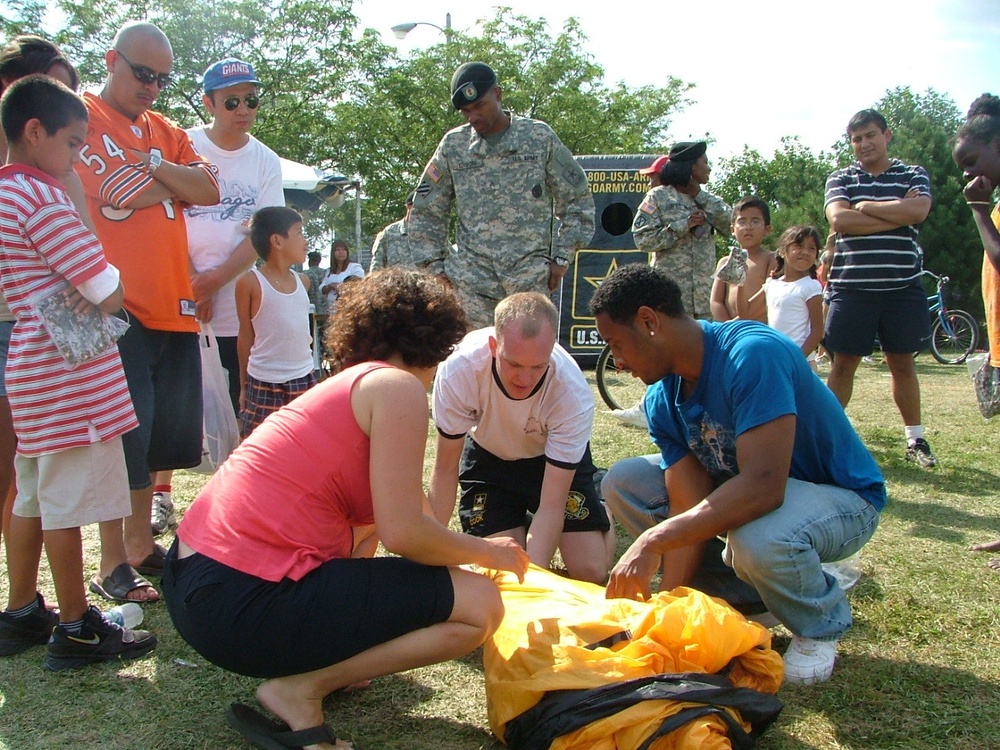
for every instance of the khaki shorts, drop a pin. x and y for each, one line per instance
(74, 487)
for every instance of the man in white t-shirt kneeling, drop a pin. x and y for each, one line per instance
(514, 415)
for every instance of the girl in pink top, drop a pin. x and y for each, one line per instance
(273, 575)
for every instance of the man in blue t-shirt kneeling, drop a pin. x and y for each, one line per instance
(753, 446)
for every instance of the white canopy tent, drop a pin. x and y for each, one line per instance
(307, 188)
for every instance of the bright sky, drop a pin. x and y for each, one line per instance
(763, 69)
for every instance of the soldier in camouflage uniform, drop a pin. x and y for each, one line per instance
(316, 276)
(522, 201)
(392, 244)
(675, 222)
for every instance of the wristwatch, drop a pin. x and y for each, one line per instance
(560, 261)
(154, 161)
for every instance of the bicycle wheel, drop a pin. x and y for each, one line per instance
(618, 389)
(954, 338)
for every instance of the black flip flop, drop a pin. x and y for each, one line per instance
(119, 583)
(274, 735)
(153, 564)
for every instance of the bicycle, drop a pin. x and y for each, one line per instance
(618, 389)
(954, 333)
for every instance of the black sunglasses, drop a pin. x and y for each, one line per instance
(232, 102)
(147, 75)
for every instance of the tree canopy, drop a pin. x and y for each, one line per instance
(790, 182)
(398, 109)
(338, 98)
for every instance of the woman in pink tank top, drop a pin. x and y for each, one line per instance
(273, 573)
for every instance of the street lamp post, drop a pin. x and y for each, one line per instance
(402, 29)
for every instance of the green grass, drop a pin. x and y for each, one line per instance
(920, 670)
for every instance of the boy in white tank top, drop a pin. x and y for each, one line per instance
(272, 303)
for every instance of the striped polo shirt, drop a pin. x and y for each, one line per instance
(886, 260)
(43, 245)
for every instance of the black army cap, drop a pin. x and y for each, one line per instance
(470, 82)
(688, 150)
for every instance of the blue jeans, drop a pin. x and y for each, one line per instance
(779, 554)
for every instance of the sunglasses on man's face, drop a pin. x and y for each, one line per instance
(232, 102)
(147, 75)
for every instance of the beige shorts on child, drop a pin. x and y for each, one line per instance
(74, 487)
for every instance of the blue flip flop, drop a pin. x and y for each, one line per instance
(274, 735)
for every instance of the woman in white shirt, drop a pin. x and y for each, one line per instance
(342, 269)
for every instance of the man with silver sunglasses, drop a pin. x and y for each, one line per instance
(139, 170)
(218, 236)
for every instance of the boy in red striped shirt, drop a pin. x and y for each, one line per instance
(69, 420)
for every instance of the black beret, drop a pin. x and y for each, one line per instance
(470, 82)
(688, 150)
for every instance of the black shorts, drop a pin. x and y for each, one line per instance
(258, 628)
(899, 318)
(499, 495)
(163, 370)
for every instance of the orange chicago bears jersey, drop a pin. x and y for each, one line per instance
(148, 245)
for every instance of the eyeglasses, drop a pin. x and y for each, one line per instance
(752, 223)
(232, 102)
(147, 75)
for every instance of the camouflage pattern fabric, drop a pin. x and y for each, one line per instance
(481, 282)
(520, 199)
(316, 276)
(392, 248)
(660, 227)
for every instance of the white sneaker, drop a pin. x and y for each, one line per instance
(809, 661)
(635, 416)
(163, 517)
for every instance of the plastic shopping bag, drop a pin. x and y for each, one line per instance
(986, 380)
(79, 336)
(734, 270)
(221, 434)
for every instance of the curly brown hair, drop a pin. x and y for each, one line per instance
(395, 311)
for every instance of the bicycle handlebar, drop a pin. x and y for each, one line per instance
(941, 280)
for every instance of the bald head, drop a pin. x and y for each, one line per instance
(139, 63)
(136, 34)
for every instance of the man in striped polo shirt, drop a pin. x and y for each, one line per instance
(875, 206)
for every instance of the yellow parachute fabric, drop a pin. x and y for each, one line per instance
(546, 643)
